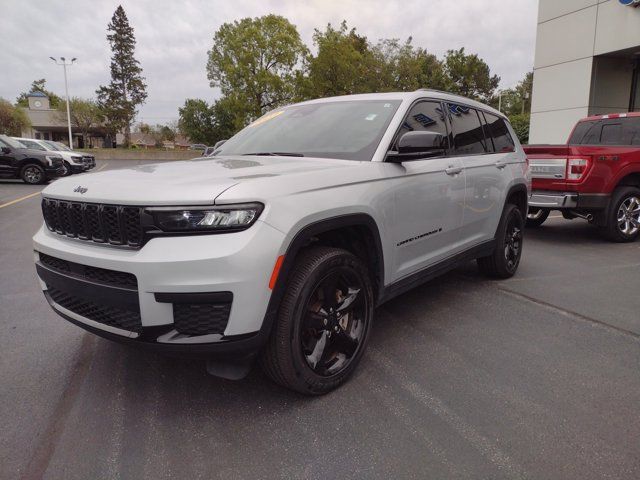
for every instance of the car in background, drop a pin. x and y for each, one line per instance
(33, 166)
(198, 146)
(594, 176)
(74, 162)
(208, 151)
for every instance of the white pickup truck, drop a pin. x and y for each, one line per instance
(74, 162)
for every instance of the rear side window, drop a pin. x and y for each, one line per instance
(499, 132)
(468, 134)
(611, 134)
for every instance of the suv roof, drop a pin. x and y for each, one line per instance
(410, 97)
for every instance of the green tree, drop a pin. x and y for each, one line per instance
(13, 120)
(407, 68)
(85, 115)
(127, 90)
(345, 64)
(256, 61)
(469, 75)
(39, 86)
(517, 100)
(204, 123)
(520, 124)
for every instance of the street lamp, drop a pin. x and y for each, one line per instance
(64, 64)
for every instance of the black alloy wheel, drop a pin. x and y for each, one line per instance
(323, 322)
(334, 323)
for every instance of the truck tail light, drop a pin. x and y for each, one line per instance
(576, 168)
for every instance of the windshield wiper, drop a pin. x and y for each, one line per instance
(276, 154)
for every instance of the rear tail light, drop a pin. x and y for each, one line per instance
(576, 168)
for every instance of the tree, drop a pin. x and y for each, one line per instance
(85, 115)
(408, 68)
(204, 123)
(127, 90)
(469, 75)
(255, 61)
(517, 100)
(520, 124)
(345, 64)
(39, 86)
(13, 120)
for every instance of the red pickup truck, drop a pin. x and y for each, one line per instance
(595, 176)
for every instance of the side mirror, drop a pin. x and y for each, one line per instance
(419, 144)
(6, 150)
(218, 144)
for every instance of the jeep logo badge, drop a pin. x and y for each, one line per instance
(80, 189)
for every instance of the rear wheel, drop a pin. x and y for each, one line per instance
(323, 322)
(536, 217)
(504, 260)
(32, 174)
(623, 217)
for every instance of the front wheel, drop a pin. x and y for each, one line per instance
(536, 217)
(323, 323)
(504, 260)
(33, 174)
(623, 217)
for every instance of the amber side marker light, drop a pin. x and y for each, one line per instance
(276, 271)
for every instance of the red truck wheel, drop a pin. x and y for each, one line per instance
(536, 217)
(623, 218)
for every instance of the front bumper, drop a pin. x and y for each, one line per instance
(171, 273)
(53, 171)
(568, 200)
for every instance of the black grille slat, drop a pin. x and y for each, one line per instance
(102, 275)
(201, 318)
(105, 314)
(116, 225)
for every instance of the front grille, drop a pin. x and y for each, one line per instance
(113, 224)
(105, 314)
(201, 318)
(86, 272)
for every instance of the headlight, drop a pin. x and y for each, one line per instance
(205, 219)
(52, 159)
(76, 159)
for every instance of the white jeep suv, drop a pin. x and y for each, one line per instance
(282, 244)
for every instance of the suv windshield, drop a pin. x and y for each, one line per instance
(349, 130)
(58, 147)
(10, 142)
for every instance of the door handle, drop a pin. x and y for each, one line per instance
(500, 164)
(452, 170)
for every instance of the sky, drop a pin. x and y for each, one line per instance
(173, 38)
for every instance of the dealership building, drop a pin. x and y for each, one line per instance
(587, 62)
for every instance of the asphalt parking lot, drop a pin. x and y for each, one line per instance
(535, 377)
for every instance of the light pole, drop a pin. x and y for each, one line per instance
(64, 64)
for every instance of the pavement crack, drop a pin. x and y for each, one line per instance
(569, 313)
(46, 445)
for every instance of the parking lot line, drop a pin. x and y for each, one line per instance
(102, 166)
(19, 199)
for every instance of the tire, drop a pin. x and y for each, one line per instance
(536, 217)
(623, 216)
(314, 346)
(33, 174)
(503, 262)
(67, 169)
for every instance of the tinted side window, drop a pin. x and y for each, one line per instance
(502, 139)
(426, 116)
(468, 135)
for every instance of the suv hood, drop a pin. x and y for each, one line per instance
(193, 182)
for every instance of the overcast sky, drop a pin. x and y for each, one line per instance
(173, 38)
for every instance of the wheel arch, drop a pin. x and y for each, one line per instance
(519, 196)
(356, 232)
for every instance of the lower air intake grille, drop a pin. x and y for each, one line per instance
(201, 318)
(105, 314)
(86, 272)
